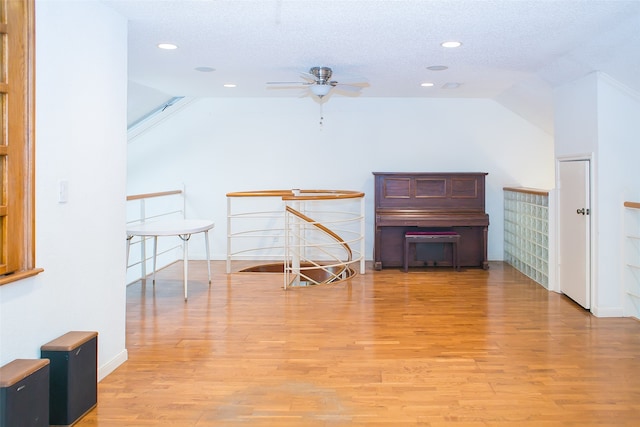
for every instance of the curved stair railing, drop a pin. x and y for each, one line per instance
(300, 268)
(317, 234)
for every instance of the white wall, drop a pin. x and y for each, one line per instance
(576, 117)
(597, 115)
(618, 181)
(81, 78)
(215, 146)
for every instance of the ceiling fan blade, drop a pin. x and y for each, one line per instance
(350, 87)
(354, 84)
(309, 77)
(288, 83)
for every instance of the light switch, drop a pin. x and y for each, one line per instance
(63, 191)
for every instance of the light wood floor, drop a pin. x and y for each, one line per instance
(429, 348)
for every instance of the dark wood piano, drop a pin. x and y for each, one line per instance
(414, 201)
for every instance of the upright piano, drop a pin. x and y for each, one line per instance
(430, 201)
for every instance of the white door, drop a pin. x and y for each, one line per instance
(574, 231)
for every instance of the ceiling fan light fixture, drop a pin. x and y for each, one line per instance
(320, 90)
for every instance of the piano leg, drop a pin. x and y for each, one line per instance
(485, 262)
(377, 257)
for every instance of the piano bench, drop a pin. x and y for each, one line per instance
(413, 237)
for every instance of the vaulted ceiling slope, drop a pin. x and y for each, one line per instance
(513, 51)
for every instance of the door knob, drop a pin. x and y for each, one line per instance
(580, 211)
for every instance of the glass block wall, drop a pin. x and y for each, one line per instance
(526, 232)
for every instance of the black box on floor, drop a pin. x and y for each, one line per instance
(24, 393)
(73, 384)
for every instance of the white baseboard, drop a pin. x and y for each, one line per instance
(112, 365)
(607, 312)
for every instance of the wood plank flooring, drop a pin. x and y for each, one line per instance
(431, 347)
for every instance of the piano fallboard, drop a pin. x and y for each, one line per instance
(410, 201)
(419, 218)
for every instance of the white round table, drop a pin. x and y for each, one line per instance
(182, 228)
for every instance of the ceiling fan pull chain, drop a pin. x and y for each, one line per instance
(321, 116)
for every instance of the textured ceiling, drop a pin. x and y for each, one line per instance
(513, 51)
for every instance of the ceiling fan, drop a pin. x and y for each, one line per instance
(319, 82)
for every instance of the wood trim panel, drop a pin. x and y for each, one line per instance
(305, 194)
(151, 195)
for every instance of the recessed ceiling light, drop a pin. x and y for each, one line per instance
(426, 84)
(451, 85)
(451, 44)
(167, 46)
(438, 68)
(205, 69)
(229, 85)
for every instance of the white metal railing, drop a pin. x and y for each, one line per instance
(317, 235)
(631, 278)
(152, 207)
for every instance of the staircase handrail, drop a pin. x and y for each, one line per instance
(324, 229)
